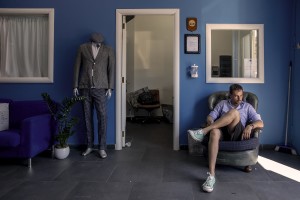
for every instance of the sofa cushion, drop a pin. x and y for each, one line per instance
(20, 110)
(9, 138)
(4, 116)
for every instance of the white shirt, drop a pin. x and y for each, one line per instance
(95, 49)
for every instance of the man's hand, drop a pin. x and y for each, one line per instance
(108, 94)
(75, 92)
(209, 120)
(247, 132)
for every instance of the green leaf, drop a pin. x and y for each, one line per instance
(61, 113)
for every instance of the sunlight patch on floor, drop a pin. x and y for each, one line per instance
(279, 168)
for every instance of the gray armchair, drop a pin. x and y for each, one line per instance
(236, 153)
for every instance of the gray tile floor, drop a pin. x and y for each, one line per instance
(149, 169)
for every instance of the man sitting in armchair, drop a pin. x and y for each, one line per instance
(227, 122)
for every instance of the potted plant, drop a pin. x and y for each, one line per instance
(61, 113)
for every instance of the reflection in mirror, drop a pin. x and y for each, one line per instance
(234, 53)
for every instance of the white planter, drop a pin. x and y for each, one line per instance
(61, 153)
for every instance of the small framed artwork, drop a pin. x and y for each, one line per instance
(192, 43)
(191, 24)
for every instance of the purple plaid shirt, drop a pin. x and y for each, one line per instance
(247, 112)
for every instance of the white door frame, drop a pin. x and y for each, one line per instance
(119, 81)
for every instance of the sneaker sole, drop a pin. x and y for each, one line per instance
(207, 190)
(192, 135)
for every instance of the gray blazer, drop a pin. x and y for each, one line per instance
(103, 67)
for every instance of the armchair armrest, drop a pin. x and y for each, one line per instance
(255, 132)
(36, 135)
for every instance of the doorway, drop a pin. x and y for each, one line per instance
(121, 72)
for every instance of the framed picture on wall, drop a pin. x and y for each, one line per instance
(192, 43)
(191, 24)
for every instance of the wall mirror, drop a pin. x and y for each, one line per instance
(234, 53)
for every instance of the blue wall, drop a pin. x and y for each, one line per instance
(76, 19)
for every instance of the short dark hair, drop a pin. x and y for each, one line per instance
(234, 87)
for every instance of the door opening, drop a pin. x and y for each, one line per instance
(121, 71)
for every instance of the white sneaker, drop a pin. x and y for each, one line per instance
(197, 135)
(208, 185)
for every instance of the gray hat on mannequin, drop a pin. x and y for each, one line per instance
(97, 38)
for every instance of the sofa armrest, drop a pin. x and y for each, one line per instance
(36, 135)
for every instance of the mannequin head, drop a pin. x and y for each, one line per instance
(97, 38)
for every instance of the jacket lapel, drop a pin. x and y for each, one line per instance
(88, 51)
(99, 52)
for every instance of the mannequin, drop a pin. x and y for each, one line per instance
(94, 78)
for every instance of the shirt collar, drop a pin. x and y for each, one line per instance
(240, 105)
(95, 44)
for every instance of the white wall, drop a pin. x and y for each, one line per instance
(150, 57)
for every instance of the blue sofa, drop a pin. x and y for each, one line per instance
(30, 130)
